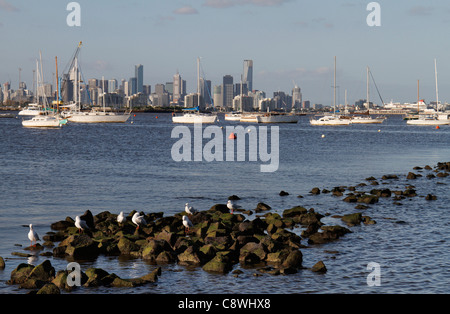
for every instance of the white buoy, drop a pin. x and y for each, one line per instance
(323, 135)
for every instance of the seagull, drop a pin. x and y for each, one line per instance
(80, 224)
(121, 218)
(33, 236)
(190, 210)
(232, 207)
(187, 223)
(138, 220)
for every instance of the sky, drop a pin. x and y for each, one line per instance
(290, 42)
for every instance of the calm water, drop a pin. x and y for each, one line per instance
(47, 175)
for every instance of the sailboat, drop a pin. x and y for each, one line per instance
(367, 119)
(430, 119)
(45, 119)
(193, 115)
(74, 112)
(331, 119)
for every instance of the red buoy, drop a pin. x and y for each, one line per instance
(232, 136)
(437, 127)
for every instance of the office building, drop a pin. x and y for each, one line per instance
(112, 85)
(217, 96)
(139, 75)
(248, 74)
(228, 91)
(296, 98)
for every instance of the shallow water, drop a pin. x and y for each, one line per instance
(47, 175)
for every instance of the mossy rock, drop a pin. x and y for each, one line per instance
(49, 288)
(295, 211)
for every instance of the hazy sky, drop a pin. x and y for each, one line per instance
(288, 40)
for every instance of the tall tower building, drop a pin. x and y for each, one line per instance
(248, 74)
(296, 98)
(139, 74)
(178, 94)
(228, 91)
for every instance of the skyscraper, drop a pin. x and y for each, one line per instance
(139, 74)
(228, 91)
(296, 98)
(248, 74)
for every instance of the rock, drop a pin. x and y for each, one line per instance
(169, 237)
(370, 179)
(409, 192)
(153, 276)
(277, 258)
(351, 199)
(411, 176)
(295, 211)
(43, 272)
(219, 264)
(352, 219)
(97, 277)
(189, 257)
(283, 193)
(234, 198)
(153, 248)
(20, 274)
(368, 199)
(252, 253)
(2, 263)
(389, 177)
(315, 191)
(126, 246)
(62, 225)
(360, 206)
(330, 233)
(82, 247)
(261, 207)
(430, 197)
(442, 174)
(219, 207)
(293, 260)
(49, 288)
(319, 267)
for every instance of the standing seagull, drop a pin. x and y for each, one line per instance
(187, 223)
(232, 207)
(80, 224)
(138, 220)
(33, 236)
(190, 210)
(121, 218)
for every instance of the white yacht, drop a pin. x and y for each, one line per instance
(367, 120)
(277, 118)
(233, 116)
(330, 120)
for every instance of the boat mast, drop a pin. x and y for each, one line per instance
(368, 94)
(334, 101)
(57, 86)
(198, 81)
(437, 89)
(418, 97)
(104, 99)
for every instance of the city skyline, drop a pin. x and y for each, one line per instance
(290, 42)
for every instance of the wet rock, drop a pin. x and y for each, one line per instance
(49, 288)
(219, 207)
(152, 277)
(2, 263)
(62, 225)
(319, 267)
(368, 220)
(295, 211)
(126, 246)
(315, 191)
(351, 199)
(189, 257)
(352, 219)
(284, 193)
(20, 274)
(381, 192)
(252, 253)
(370, 179)
(411, 176)
(430, 197)
(389, 177)
(261, 207)
(409, 192)
(219, 264)
(43, 272)
(330, 233)
(442, 174)
(293, 260)
(97, 277)
(82, 247)
(234, 198)
(153, 248)
(368, 199)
